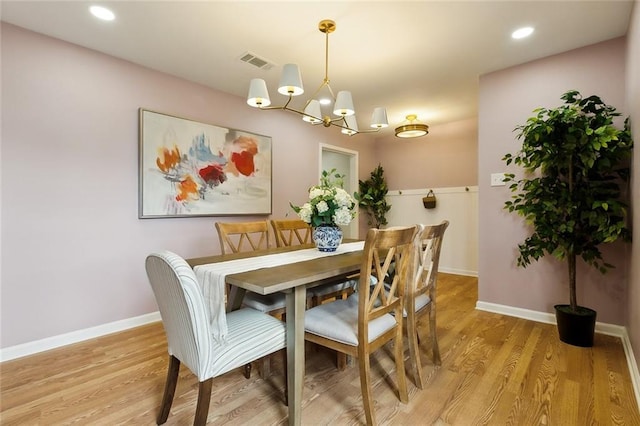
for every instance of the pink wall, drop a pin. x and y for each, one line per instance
(507, 99)
(633, 102)
(446, 157)
(73, 247)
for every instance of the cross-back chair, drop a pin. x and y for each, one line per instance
(421, 294)
(359, 325)
(186, 320)
(293, 232)
(238, 237)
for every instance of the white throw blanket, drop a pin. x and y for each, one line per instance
(212, 277)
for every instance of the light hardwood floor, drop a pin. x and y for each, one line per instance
(496, 370)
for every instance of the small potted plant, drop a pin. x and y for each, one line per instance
(576, 163)
(372, 197)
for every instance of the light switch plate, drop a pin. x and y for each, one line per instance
(497, 179)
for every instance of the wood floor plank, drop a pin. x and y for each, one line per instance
(497, 375)
(567, 410)
(496, 370)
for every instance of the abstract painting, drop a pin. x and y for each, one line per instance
(191, 169)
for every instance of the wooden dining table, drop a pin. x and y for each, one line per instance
(293, 279)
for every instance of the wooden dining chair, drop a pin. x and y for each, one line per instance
(359, 325)
(420, 299)
(186, 319)
(292, 232)
(238, 237)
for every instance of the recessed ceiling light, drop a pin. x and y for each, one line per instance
(522, 32)
(325, 101)
(102, 13)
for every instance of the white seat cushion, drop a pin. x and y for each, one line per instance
(252, 335)
(323, 290)
(264, 303)
(420, 302)
(339, 321)
(372, 282)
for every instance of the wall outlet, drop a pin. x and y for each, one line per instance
(497, 179)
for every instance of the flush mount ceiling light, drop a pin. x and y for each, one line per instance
(102, 13)
(412, 129)
(291, 85)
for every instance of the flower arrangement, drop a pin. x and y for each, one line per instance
(329, 203)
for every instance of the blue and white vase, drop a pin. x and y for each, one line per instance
(327, 237)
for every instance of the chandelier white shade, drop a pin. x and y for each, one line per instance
(291, 85)
(312, 111)
(290, 81)
(344, 104)
(352, 125)
(258, 93)
(379, 118)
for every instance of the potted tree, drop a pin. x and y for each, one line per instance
(372, 197)
(576, 165)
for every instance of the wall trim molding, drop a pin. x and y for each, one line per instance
(456, 271)
(54, 342)
(603, 328)
(445, 190)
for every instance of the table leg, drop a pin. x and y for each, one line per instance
(296, 304)
(234, 298)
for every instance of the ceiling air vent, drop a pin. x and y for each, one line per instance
(256, 61)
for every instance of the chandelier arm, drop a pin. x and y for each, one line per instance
(312, 97)
(376, 130)
(335, 122)
(286, 107)
(283, 107)
(332, 122)
(337, 119)
(331, 91)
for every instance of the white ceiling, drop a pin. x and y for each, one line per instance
(421, 57)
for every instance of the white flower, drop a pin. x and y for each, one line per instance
(343, 199)
(315, 192)
(322, 206)
(305, 212)
(342, 216)
(329, 203)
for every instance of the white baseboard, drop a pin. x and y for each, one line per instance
(603, 328)
(53, 342)
(633, 366)
(455, 271)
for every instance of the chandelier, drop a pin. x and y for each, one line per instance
(291, 85)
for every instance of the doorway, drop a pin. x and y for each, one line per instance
(345, 161)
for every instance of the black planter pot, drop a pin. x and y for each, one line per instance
(576, 328)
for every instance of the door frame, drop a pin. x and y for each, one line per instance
(350, 231)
